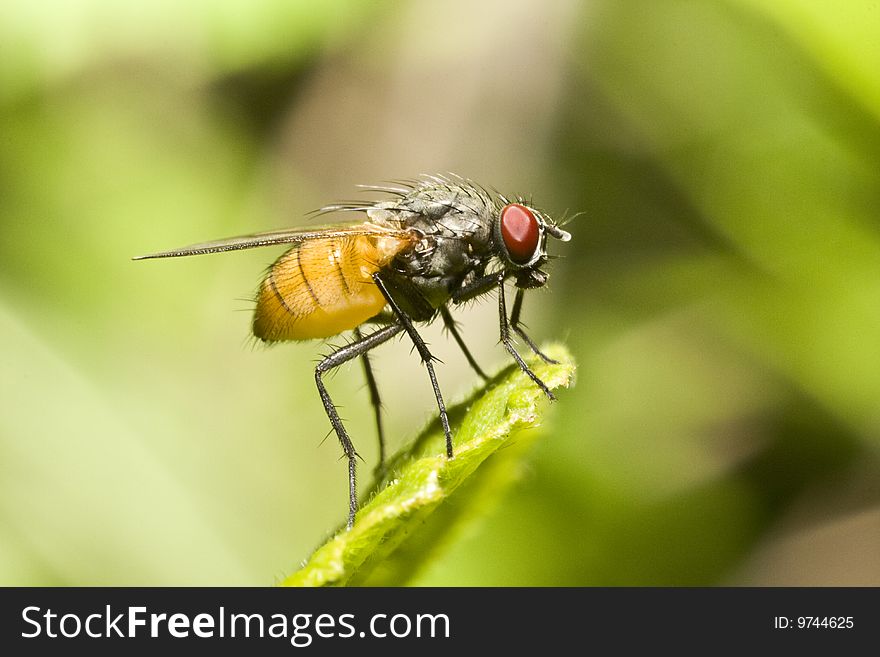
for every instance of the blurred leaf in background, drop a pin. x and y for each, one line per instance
(721, 292)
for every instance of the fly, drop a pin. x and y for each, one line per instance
(434, 242)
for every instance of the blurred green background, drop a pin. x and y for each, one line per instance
(721, 292)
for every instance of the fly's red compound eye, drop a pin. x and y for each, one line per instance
(520, 232)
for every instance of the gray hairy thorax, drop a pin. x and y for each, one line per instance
(455, 223)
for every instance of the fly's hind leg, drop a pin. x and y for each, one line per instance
(342, 355)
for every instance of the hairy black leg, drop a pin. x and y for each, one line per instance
(375, 401)
(342, 355)
(516, 326)
(449, 322)
(505, 340)
(425, 354)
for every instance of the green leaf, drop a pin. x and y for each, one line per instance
(426, 499)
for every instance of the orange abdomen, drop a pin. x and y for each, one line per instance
(320, 288)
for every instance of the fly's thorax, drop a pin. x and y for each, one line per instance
(435, 258)
(446, 209)
(451, 257)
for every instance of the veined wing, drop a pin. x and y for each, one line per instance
(283, 236)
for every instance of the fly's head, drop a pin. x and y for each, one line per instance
(520, 236)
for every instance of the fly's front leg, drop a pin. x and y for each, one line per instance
(342, 355)
(425, 354)
(508, 344)
(516, 326)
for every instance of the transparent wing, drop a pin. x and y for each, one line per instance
(283, 236)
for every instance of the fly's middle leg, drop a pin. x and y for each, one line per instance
(376, 402)
(449, 322)
(342, 355)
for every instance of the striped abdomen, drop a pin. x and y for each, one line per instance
(322, 287)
